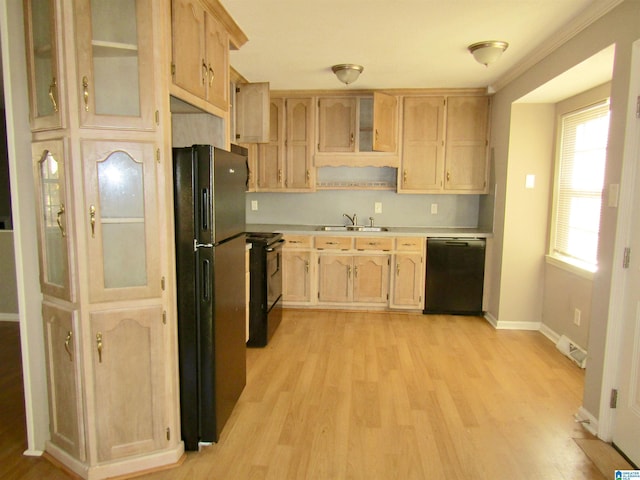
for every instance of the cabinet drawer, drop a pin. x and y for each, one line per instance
(409, 244)
(333, 243)
(374, 243)
(298, 241)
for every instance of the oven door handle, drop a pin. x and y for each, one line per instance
(273, 249)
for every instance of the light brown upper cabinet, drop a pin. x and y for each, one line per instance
(285, 162)
(54, 228)
(43, 66)
(337, 124)
(200, 63)
(116, 85)
(444, 144)
(422, 160)
(123, 258)
(252, 112)
(270, 162)
(466, 144)
(359, 130)
(385, 122)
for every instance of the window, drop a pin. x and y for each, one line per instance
(579, 180)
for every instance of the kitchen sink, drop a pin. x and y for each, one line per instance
(368, 229)
(351, 228)
(333, 228)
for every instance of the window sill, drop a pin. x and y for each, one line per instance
(571, 267)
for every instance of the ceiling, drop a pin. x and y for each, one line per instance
(401, 43)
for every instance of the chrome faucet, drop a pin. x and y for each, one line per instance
(353, 220)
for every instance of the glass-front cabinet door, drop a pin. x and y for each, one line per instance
(42, 62)
(115, 66)
(121, 218)
(53, 214)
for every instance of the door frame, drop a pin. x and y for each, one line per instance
(615, 323)
(14, 74)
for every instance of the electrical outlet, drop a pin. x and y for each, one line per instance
(576, 316)
(377, 207)
(434, 209)
(254, 205)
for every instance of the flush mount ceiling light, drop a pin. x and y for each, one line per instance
(488, 51)
(347, 72)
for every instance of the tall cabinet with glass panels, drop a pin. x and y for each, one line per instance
(96, 80)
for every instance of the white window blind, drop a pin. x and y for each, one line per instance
(579, 183)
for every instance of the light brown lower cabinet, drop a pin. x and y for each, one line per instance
(297, 276)
(63, 379)
(408, 281)
(128, 376)
(353, 271)
(362, 279)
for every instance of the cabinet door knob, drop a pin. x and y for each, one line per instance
(85, 92)
(92, 219)
(59, 220)
(211, 75)
(53, 90)
(67, 341)
(99, 346)
(204, 72)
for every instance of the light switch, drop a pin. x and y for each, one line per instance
(530, 181)
(254, 205)
(434, 209)
(377, 207)
(614, 192)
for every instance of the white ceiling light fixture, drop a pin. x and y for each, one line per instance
(488, 51)
(347, 72)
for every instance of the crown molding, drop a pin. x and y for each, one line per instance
(592, 13)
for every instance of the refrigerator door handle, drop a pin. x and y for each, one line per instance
(197, 245)
(206, 286)
(205, 209)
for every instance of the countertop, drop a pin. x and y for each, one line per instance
(453, 232)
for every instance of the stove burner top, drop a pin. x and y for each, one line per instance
(263, 237)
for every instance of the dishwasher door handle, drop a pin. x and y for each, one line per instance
(457, 244)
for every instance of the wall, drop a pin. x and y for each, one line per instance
(564, 288)
(325, 207)
(619, 26)
(24, 225)
(8, 292)
(530, 152)
(564, 291)
(5, 191)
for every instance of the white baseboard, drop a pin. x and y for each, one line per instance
(9, 317)
(502, 325)
(491, 319)
(550, 334)
(588, 421)
(33, 453)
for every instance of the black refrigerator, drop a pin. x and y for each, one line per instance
(209, 207)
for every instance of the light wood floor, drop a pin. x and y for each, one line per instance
(339, 395)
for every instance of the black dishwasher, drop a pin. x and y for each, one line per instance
(455, 276)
